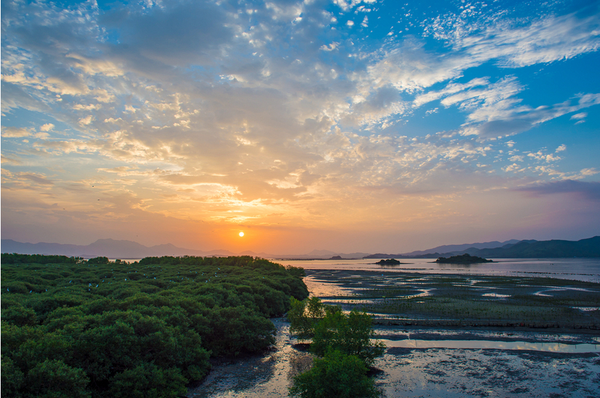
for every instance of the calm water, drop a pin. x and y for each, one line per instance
(582, 269)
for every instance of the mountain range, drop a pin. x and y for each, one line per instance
(125, 249)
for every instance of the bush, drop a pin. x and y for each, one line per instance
(336, 375)
(330, 328)
(12, 378)
(148, 381)
(54, 378)
(350, 334)
(304, 316)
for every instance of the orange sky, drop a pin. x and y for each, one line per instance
(342, 125)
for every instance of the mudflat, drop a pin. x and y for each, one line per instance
(446, 336)
(434, 300)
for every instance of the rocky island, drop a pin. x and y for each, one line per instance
(390, 261)
(463, 259)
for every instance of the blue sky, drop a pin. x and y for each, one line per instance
(344, 125)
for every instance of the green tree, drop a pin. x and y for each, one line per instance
(54, 378)
(329, 327)
(148, 381)
(12, 378)
(305, 315)
(335, 375)
(351, 334)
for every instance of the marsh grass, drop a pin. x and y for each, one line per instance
(460, 298)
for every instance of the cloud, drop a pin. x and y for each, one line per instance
(86, 120)
(507, 117)
(188, 32)
(588, 190)
(215, 110)
(37, 178)
(515, 44)
(15, 132)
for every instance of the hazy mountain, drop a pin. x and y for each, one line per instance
(125, 249)
(460, 248)
(111, 248)
(511, 249)
(544, 249)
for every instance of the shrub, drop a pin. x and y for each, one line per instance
(336, 375)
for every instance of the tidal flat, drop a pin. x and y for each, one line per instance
(432, 300)
(458, 336)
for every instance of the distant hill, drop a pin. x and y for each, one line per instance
(543, 249)
(111, 248)
(125, 249)
(510, 249)
(459, 248)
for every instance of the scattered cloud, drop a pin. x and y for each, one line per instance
(287, 107)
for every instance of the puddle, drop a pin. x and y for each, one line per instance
(587, 309)
(323, 289)
(543, 293)
(496, 345)
(496, 295)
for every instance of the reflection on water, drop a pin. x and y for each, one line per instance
(496, 295)
(497, 345)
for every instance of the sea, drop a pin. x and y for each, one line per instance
(581, 269)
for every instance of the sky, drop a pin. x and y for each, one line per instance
(344, 125)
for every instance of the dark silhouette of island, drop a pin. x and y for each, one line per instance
(463, 259)
(389, 261)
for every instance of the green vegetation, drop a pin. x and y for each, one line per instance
(336, 375)
(344, 341)
(111, 329)
(461, 300)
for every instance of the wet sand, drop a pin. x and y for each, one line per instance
(425, 372)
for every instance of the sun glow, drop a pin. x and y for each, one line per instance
(241, 234)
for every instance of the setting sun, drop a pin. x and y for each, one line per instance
(241, 234)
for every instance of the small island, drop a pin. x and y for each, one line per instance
(390, 261)
(463, 259)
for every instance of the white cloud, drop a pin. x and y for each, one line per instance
(85, 121)
(47, 127)
(330, 47)
(579, 116)
(15, 132)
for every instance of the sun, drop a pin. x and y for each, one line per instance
(241, 234)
